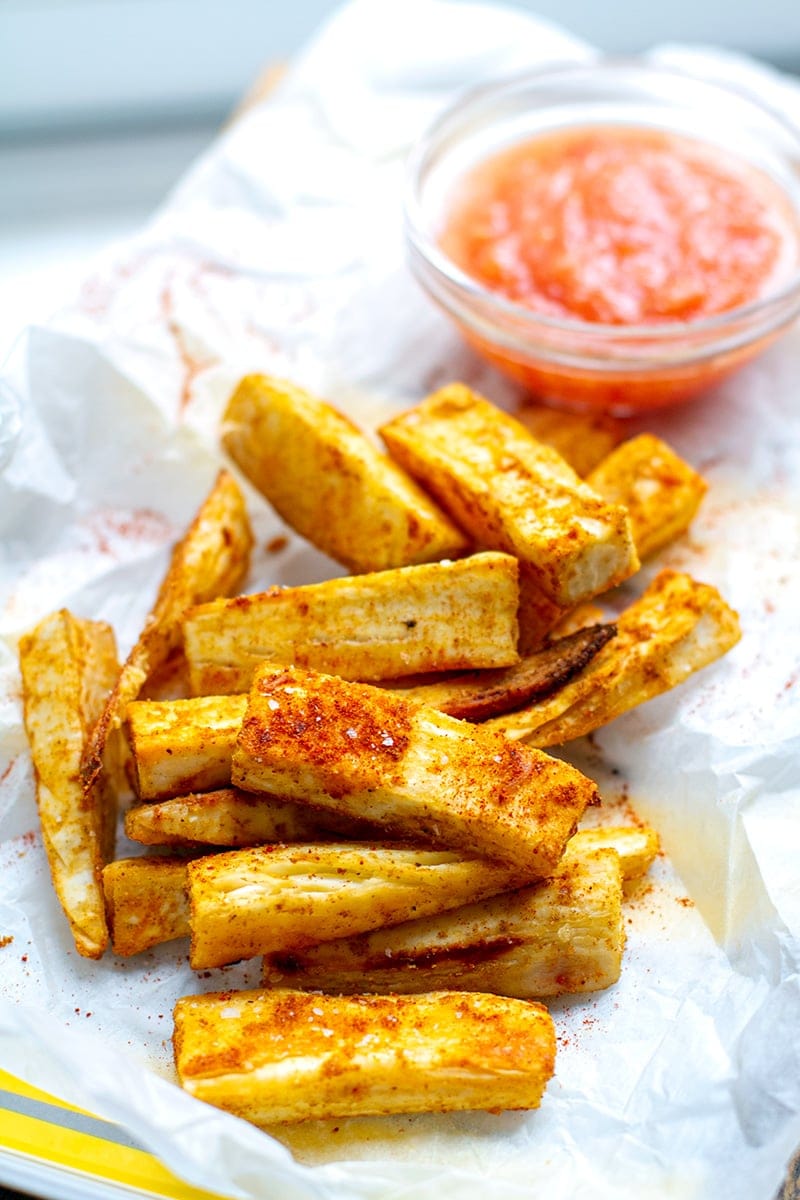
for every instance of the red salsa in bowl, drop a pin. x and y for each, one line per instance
(619, 264)
(621, 225)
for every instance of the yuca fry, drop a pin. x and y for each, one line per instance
(677, 627)
(68, 667)
(562, 935)
(661, 494)
(369, 754)
(361, 509)
(211, 560)
(283, 898)
(271, 1056)
(435, 617)
(182, 746)
(476, 695)
(582, 439)
(512, 493)
(660, 491)
(636, 845)
(231, 817)
(147, 902)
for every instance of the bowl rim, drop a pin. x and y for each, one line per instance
(434, 257)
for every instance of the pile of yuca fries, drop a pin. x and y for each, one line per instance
(351, 783)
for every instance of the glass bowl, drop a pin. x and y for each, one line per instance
(582, 365)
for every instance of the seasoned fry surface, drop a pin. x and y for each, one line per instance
(362, 509)
(513, 493)
(660, 491)
(256, 901)
(188, 744)
(180, 746)
(68, 666)
(636, 846)
(231, 817)
(211, 560)
(582, 439)
(146, 901)
(273, 1056)
(562, 935)
(370, 754)
(661, 494)
(677, 627)
(434, 617)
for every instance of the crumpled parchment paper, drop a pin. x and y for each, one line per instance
(282, 252)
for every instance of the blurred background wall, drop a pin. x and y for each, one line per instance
(104, 103)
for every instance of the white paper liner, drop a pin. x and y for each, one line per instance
(282, 252)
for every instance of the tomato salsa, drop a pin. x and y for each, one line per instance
(621, 225)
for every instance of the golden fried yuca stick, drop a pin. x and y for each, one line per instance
(476, 695)
(434, 617)
(367, 753)
(636, 845)
(582, 439)
(180, 746)
(231, 817)
(513, 493)
(660, 491)
(282, 898)
(147, 898)
(661, 494)
(273, 1056)
(329, 482)
(677, 627)
(563, 935)
(211, 560)
(147, 902)
(68, 666)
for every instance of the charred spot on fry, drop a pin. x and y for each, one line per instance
(478, 695)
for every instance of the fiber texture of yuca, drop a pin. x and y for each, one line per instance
(562, 935)
(274, 1056)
